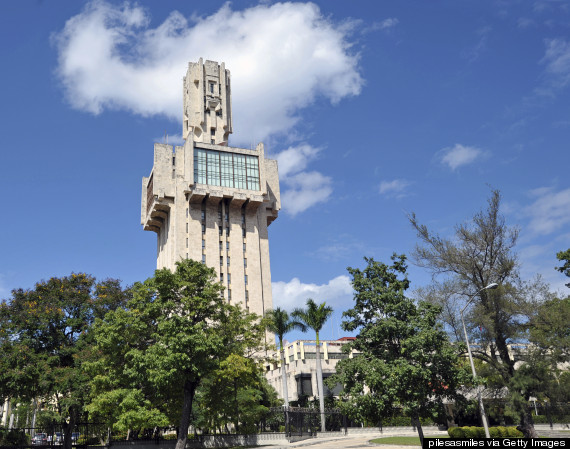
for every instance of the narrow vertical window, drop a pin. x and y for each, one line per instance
(186, 227)
(229, 294)
(227, 246)
(203, 244)
(228, 261)
(186, 243)
(203, 229)
(221, 261)
(221, 247)
(229, 278)
(244, 262)
(221, 277)
(245, 279)
(203, 258)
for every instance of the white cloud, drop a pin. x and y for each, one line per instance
(303, 188)
(396, 188)
(295, 159)
(550, 210)
(281, 57)
(459, 155)
(388, 23)
(337, 293)
(557, 62)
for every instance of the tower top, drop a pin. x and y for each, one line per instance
(207, 106)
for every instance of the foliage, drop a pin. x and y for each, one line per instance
(237, 393)
(174, 332)
(13, 437)
(45, 334)
(564, 256)
(479, 432)
(481, 253)
(406, 359)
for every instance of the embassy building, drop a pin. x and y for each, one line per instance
(211, 202)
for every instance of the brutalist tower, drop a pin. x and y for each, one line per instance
(211, 202)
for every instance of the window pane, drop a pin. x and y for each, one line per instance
(213, 168)
(226, 164)
(200, 166)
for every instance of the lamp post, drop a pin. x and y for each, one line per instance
(479, 397)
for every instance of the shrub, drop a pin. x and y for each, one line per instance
(513, 432)
(494, 432)
(503, 433)
(456, 432)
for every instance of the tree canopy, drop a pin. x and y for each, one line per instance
(175, 331)
(406, 360)
(45, 335)
(480, 253)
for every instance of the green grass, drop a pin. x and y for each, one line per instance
(401, 441)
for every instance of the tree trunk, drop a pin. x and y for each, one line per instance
(416, 422)
(284, 376)
(68, 429)
(527, 425)
(320, 386)
(189, 389)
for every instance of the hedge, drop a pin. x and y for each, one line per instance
(479, 432)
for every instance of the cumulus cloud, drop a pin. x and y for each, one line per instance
(395, 189)
(550, 210)
(303, 188)
(337, 293)
(459, 155)
(281, 57)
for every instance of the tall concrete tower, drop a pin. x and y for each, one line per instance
(211, 202)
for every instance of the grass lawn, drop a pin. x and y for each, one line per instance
(401, 441)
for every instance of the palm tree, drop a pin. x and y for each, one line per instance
(279, 323)
(314, 317)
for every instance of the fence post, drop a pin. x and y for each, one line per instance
(345, 424)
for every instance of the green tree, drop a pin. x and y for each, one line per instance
(481, 253)
(314, 317)
(236, 393)
(279, 323)
(46, 334)
(154, 354)
(564, 256)
(406, 360)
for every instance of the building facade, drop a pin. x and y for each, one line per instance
(211, 202)
(301, 362)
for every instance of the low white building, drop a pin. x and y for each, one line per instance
(301, 361)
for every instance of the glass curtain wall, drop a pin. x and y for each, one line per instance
(218, 168)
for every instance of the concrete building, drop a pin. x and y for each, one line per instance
(209, 201)
(301, 361)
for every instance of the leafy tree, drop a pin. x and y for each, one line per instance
(236, 393)
(45, 334)
(154, 354)
(279, 323)
(314, 317)
(564, 256)
(481, 253)
(406, 360)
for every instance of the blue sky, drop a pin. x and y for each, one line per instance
(373, 110)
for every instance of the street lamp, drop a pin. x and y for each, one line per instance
(479, 397)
